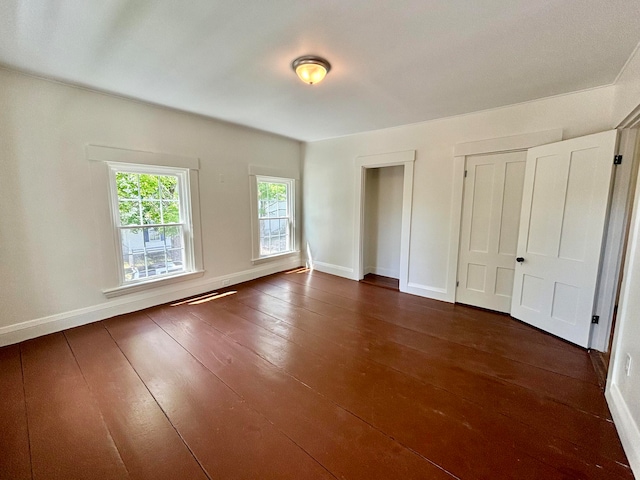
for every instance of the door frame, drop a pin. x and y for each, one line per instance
(616, 232)
(405, 159)
(461, 152)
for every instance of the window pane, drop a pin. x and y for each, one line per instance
(282, 208)
(133, 255)
(273, 227)
(127, 184)
(151, 212)
(279, 191)
(138, 264)
(268, 209)
(282, 243)
(264, 246)
(156, 261)
(175, 261)
(169, 187)
(149, 187)
(132, 241)
(173, 237)
(170, 212)
(129, 212)
(263, 191)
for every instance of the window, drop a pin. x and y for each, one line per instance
(152, 217)
(275, 216)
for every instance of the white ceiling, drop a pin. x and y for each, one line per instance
(394, 62)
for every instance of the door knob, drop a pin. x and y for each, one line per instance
(520, 259)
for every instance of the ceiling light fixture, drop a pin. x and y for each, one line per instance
(311, 69)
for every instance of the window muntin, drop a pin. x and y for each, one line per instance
(275, 216)
(152, 221)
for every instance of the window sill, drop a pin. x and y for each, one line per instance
(257, 261)
(149, 284)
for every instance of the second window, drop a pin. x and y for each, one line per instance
(275, 215)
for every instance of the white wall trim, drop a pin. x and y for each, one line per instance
(628, 431)
(403, 158)
(632, 120)
(267, 171)
(131, 303)
(454, 228)
(626, 64)
(100, 153)
(386, 159)
(332, 269)
(385, 272)
(428, 292)
(504, 144)
(149, 284)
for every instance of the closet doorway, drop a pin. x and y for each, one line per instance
(364, 164)
(383, 225)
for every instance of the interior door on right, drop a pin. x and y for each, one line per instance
(562, 222)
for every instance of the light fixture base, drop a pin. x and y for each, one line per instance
(311, 69)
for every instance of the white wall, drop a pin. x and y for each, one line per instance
(383, 220)
(329, 180)
(54, 261)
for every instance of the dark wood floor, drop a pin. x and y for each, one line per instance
(304, 376)
(381, 281)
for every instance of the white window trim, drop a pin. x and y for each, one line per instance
(148, 162)
(255, 224)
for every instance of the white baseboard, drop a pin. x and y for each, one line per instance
(133, 302)
(628, 429)
(429, 292)
(385, 272)
(332, 269)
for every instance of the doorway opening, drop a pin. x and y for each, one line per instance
(401, 182)
(381, 243)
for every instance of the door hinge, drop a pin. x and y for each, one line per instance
(595, 319)
(457, 283)
(617, 159)
(465, 174)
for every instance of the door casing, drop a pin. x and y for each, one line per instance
(406, 159)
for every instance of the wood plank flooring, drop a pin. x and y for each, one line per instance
(381, 281)
(304, 375)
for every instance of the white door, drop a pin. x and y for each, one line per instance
(489, 230)
(564, 209)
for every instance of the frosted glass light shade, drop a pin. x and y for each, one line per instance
(311, 69)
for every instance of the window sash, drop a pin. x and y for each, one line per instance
(152, 225)
(263, 216)
(186, 254)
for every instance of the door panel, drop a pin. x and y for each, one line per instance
(563, 216)
(489, 230)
